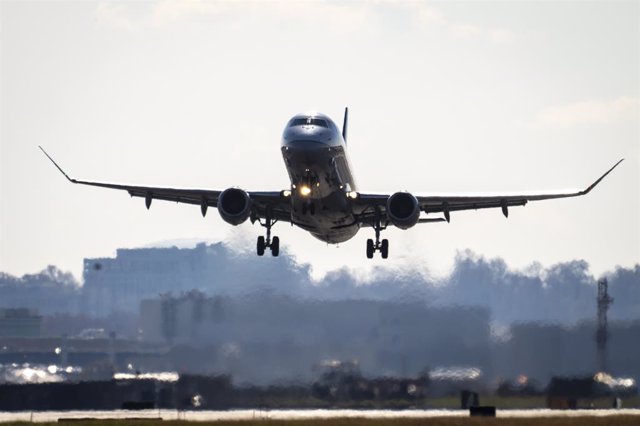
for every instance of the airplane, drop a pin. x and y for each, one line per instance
(322, 197)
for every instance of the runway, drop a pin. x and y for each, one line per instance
(54, 416)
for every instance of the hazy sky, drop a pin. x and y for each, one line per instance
(444, 97)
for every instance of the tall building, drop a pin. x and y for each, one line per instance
(120, 283)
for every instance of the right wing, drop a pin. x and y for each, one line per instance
(446, 203)
(262, 200)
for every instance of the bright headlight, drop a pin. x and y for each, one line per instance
(305, 190)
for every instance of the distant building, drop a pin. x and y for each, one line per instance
(169, 318)
(120, 283)
(20, 322)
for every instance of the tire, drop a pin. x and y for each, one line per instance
(275, 246)
(369, 249)
(384, 248)
(260, 246)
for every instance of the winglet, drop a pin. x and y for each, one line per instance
(56, 164)
(593, 185)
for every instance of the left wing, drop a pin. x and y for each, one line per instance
(448, 203)
(262, 200)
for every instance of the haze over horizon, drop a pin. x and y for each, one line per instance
(562, 293)
(243, 247)
(461, 97)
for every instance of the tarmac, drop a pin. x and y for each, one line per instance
(247, 414)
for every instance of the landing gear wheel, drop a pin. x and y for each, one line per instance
(370, 248)
(384, 248)
(268, 242)
(275, 246)
(260, 246)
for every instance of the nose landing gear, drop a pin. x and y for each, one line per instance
(309, 207)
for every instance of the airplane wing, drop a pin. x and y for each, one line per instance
(262, 200)
(447, 203)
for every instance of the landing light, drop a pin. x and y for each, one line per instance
(352, 194)
(305, 190)
(286, 193)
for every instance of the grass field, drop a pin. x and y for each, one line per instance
(435, 421)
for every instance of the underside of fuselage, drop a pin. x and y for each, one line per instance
(321, 179)
(319, 198)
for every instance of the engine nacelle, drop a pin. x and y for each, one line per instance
(403, 210)
(234, 206)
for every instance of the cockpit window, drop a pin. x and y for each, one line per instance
(309, 122)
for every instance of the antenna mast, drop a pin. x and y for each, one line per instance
(604, 301)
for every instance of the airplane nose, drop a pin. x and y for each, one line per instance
(308, 138)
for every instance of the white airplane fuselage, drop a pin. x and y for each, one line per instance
(322, 183)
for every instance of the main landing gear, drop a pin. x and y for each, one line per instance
(381, 246)
(268, 242)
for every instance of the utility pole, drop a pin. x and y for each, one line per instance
(604, 301)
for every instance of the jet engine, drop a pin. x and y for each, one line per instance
(403, 210)
(234, 206)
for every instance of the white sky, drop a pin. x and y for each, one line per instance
(444, 97)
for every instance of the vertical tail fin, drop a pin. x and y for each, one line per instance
(344, 124)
